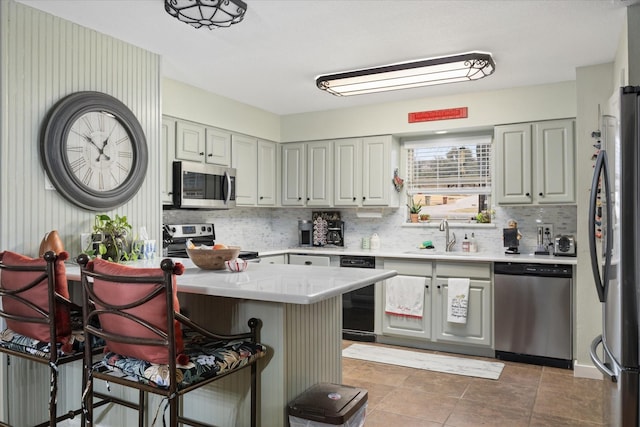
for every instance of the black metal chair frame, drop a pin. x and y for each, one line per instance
(166, 339)
(47, 318)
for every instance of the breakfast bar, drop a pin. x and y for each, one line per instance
(301, 312)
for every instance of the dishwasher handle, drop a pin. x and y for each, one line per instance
(599, 363)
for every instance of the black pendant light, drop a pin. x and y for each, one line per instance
(207, 13)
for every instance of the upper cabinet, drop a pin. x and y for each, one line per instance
(199, 143)
(307, 174)
(294, 179)
(535, 163)
(364, 171)
(168, 148)
(255, 162)
(353, 172)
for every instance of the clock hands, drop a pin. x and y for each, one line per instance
(100, 150)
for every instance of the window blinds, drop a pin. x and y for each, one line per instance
(448, 166)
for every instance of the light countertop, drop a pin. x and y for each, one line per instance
(291, 284)
(427, 254)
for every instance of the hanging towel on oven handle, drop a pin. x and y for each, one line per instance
(457, 300)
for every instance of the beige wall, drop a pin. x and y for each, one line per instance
(187, 102)
(486, 109)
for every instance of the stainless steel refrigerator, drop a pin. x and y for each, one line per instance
(614, 243)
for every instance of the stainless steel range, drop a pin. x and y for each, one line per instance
(175, 236)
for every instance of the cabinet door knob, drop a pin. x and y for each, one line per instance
(527, 194)
(354, 199)
(540, 194)
(299, 198)
(308, 199)
(261, 197)
(308, 263)
(210, 155)
(426, 286)
(202, 153)
(438, 286)
(364, 198)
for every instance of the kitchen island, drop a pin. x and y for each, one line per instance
(301, 311)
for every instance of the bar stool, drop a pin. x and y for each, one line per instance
(151, 346)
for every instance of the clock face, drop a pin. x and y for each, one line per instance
(99, 151)
(93, 150)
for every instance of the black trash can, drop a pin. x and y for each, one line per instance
(327, 404)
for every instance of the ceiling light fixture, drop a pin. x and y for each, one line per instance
(207, 13)
(405, 75)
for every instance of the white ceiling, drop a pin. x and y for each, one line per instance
(271, 58)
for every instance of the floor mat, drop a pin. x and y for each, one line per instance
(427, 361)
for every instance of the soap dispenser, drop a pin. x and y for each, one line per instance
(473, 243)
(466, 244)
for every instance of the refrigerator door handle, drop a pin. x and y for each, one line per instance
(601, 169)
(599, 363)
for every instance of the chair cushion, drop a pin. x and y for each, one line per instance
(38, 295)
(75, 344)
(201, 360)
(154, 311)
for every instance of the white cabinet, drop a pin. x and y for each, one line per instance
(255, 162)
(168, 146)
(478, 328)
(217, 146)
(432, 330)
(416, 273)
(364, 171)
(273, 259)
(316, 260)
(307, 174)
(294, 169)
(199, 143)
(319, 173)
(535, 163)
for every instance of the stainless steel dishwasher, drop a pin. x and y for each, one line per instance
(533, 313)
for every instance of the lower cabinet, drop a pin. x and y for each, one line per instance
(410, 272)
(274, 259)
(477, 330)
(418, 327)
(433, 328)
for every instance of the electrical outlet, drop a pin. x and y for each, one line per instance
(547, 232)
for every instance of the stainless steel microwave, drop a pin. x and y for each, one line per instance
(203, 186)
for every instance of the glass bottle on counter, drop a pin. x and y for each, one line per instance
(466, 244)
(473, 243)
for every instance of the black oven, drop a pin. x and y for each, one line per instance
(358, 307)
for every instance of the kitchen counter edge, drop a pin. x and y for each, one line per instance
(425, 254)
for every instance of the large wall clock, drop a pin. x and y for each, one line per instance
(94, 151)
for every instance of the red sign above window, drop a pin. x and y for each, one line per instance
(433, 115)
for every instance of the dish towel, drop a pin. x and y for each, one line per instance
(405, 296)
(458, 300)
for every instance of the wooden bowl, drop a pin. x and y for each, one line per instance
(213, 259)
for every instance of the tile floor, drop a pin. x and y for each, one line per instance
(524, 395)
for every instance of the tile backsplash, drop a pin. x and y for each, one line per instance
(276, 228)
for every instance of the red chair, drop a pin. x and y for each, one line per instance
(146, 336)
(37, 309)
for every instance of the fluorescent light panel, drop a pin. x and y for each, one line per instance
(405, 75)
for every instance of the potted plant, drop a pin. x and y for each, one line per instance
(414, 210)
(424, 217)
(484, 217)
(112, 236)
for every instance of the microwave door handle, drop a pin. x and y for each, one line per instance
(228, 179)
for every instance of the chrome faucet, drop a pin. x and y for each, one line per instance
(444, 226)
